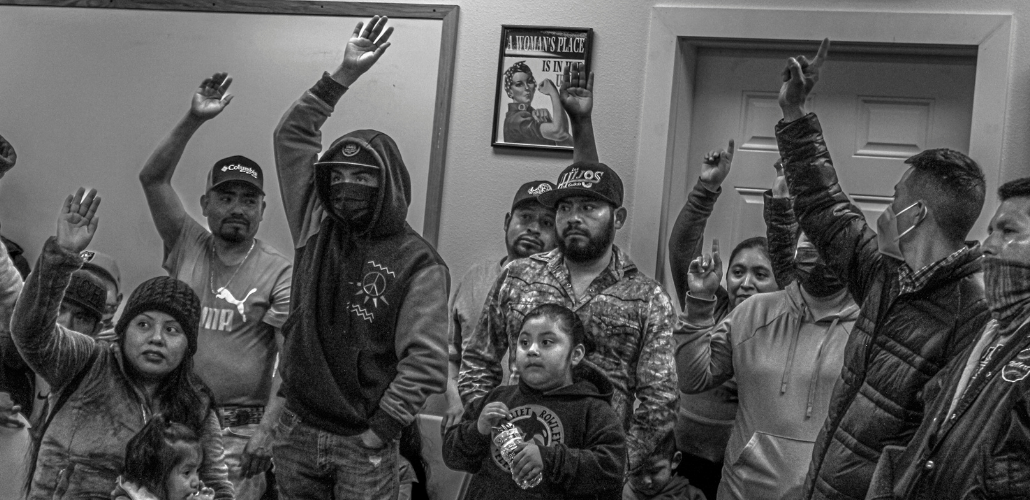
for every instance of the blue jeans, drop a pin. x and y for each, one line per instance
(235, 439)
(314, 464)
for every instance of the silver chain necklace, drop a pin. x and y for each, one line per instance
(211, 274)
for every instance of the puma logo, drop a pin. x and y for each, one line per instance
(226, 295)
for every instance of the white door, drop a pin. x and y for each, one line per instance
(877, 108)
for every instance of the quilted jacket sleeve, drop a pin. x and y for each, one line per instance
(781, 229)
(826, 215)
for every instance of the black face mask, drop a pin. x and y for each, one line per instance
(813, 275)
(354, 202)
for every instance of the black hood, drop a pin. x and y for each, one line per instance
(391, 205)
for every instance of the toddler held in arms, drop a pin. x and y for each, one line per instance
(161, 463)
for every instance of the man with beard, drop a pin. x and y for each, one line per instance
(974, 441)
(243, 285)
(629, 317)
(528, 230)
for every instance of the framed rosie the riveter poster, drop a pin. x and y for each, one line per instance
(527, 111)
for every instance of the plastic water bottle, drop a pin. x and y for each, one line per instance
(204, 493)
(507, 438)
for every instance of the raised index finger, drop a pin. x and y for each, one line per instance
(820, 56)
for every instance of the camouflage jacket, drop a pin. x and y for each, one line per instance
(629, 318)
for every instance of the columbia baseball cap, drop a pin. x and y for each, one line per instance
(103, 265)
(236, 169)
(529, 192)
(592, 179)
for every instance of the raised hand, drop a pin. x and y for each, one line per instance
(577, 91)
(365, 47)
(211, 98)
(800, 76)
(78, 220)
(7, 156)
(779, 187)
(716, 167)
(705, 274)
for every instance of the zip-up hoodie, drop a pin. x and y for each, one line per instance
(366, 341)
(581, 441)
(786, 361)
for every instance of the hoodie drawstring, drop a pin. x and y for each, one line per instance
(790, 356)
(813, 385)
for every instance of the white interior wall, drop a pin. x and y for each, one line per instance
(480, 180)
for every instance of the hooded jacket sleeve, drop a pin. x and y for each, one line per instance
(781, 230)
(464, 448)
(421, 346)
(213, 471)
(598, 467)
(835, 226)
(688, 233)
(704, 355)
(52, 351)
(10, 288)
(481, 360)
(655, 415)
(297, 141)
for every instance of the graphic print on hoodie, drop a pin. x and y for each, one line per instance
(366, 338)
(581, 440)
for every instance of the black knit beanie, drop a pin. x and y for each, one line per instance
(167, 295)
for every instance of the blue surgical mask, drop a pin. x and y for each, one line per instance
(887, 237)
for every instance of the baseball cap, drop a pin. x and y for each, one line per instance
(582, 178)
(102, 264)
(343, 152)
(236, 168)
(529, 191)
(86, 290)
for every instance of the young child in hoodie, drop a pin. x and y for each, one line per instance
(657, 479)
(573, 438)
(161, 463)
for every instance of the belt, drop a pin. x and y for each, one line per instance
(233, 416)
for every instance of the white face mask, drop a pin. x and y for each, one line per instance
(887, 238)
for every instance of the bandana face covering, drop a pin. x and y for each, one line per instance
(887, 237)
(813, 274)
(1007, 288)
(354, 202)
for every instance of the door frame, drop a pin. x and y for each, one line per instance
(667, 93)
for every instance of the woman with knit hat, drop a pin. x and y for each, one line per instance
(108, 391)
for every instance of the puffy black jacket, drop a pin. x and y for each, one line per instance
(982, 449)
(900, 341)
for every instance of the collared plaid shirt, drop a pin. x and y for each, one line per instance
(627, 314)
(913, 281)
